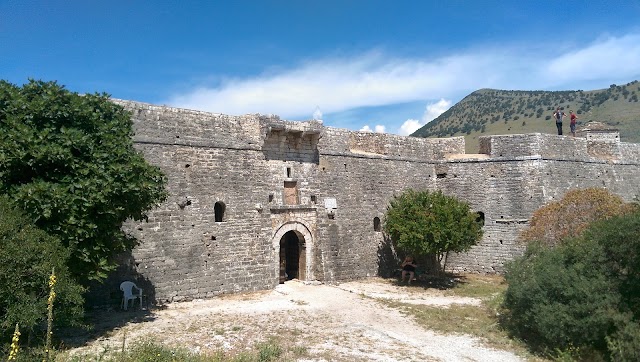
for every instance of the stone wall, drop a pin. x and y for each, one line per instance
(326, 189)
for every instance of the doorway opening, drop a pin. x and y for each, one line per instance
(292, 256)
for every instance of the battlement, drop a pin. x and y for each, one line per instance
(276, 137)
(591, 147)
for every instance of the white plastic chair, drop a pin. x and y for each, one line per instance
(127, 288)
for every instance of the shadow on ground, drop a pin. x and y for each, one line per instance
(441, 282)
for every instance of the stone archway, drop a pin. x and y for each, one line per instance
(293, 245)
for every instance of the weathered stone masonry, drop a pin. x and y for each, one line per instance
(255, 200)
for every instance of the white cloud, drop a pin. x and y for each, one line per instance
(409, 126)
(603, 59)
(377, 79)
(431, 112)
(377, 129)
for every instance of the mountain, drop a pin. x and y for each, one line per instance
(492, 111)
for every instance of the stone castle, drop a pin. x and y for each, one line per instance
(255, 200)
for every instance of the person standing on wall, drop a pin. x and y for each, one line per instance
(559, 115)
(572, 125)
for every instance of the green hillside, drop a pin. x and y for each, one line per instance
(491, 111)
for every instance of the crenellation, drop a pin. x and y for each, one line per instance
(255, 200)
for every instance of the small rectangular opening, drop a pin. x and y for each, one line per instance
(288, 172)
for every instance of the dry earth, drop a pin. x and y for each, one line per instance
(345, 322)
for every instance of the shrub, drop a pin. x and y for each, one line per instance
(624, 345)
(27, 256)
(558, 298)
(570, 216)
(582, 295)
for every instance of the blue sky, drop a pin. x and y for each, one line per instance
(386, 66)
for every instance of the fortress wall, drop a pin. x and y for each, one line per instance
(535, 145)
(559, 177)
(506, 192)
(517, 145)
(594, 148)
(336, 140)
(362, 187)
(245, 161)
(630, 152)
(184, 253)
(159, 124)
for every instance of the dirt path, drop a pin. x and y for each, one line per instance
(334, 323)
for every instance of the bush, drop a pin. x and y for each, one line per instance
(582, 295)
(557, 299)
(27, 257)
(570, 216)
(624, 345)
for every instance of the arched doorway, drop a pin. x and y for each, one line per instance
(293, 245)
(293, 256)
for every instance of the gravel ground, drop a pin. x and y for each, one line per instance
(333, 322)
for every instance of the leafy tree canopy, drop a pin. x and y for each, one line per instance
(426, 223)
(27, 257)
(68, 161)
(570, 216)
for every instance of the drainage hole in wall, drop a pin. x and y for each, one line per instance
(500, 242)
(187, 165)
(213, 238)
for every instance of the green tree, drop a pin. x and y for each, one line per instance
(570, 216)
(424, 223)
(27, 257)
(68, 161)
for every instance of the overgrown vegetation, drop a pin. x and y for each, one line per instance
(570, 216)
(423, 223)
(27, 257)
(68, 161)
(148, 350)
(580, 298)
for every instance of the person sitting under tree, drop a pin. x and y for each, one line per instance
(408, 267)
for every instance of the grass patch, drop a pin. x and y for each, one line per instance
(479, 321)
(484, 287)
(270, 350)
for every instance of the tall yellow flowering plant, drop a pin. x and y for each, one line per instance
(52, 297)
(13, 353)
